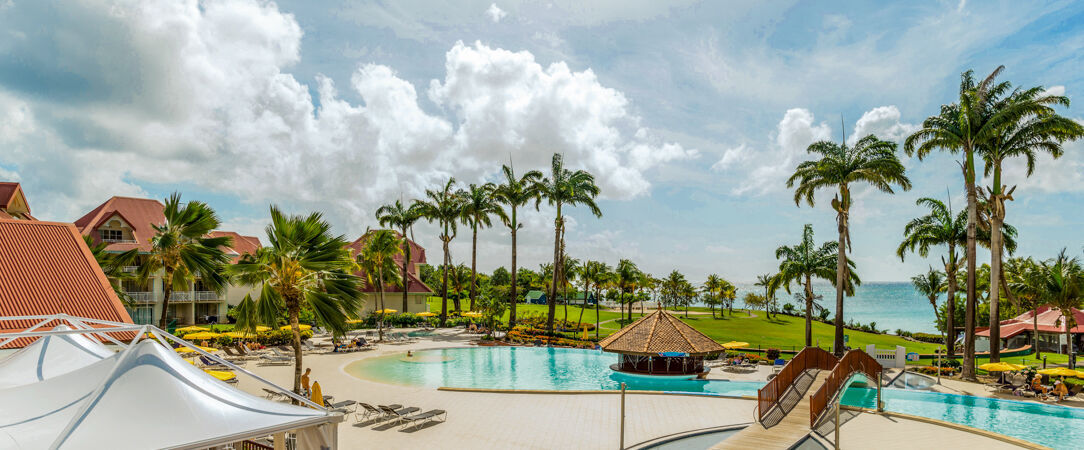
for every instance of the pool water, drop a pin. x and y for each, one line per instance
(1050, 425)
(526, 368)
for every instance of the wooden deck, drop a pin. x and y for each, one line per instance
(790, 424)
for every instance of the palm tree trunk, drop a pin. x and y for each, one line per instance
(950, 319)
(995, 285)
(406, 276)
(444, 283)
(295, 310)
(968, 370)
(808, 311)
(586, 286)
(841, 278)
(473, 263)
(598, 293)
(512, 299)
(1035, 331)
(1066, 315)
(552, 300)
(380, 288)
(167, 290)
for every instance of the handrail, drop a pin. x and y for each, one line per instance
(808, 358)
(854, 361)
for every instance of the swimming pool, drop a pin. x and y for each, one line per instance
(1050, 425)
(521, 368)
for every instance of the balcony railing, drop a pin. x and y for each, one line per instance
(142, 297)
(184, 296)
(130, 269)
(120, 241)
(206, 295)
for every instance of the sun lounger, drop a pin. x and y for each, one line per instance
(208, 363)
(398, 414)
(368, 412)
(345, 406)
(274, 395)
(417, 420)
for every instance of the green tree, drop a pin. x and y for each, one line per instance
(568, 275)
(839, 167)
(801, 263)
(479, 206)
(514, 193)
(626, 275)
(377, 259)
(500, 277)
(571, 188)
(765, 281)
(1063, 285)
(595, 273)
(399, 216)
(712, 284)
(303, 266)
(112, 265)
(182, 250)
(444, 206)
(1025, 279)
(931, 284)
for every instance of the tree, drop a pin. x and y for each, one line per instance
(1063, 285)
(377, 259)
(500, 277)
(571, 188)
(754, 301)
(1025, 279)
(403, 218)
(182, 250)
(514, 193)
(303, 266)
(871, 161)
(765, 281)
(1042, 131)
(801, 263)
(599, 274)
(626, 275)
(446, 208)
(964, 127)
(480, 204)
(712, 285)
(568, 274)
(931, 284)
(112, 265)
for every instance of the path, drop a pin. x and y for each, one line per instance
(789, 429)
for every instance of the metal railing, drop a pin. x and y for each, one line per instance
(120, 241)
(809, 358)
(181, 296)
(855, 361)
(142, 297)
(206, 295)
(130, 269)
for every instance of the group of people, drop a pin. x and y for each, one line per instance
(1059, 389)
(357, 342)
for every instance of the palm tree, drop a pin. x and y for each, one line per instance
(712, 285)
(565, 187)
(182, 250)
(588, 272)
(599, 274)
(1025, 280)
(765, 281)
(626, 274)
(804, 261)
(402, 217)
(480, 204)
(112, 265)
(514, 193)
(1043, 132)
(1063, 285)
(931, 284)
(446, 208)
(569, 273)
(871, 161)
(303, 266)
(377, 259)
(964, 127)
(728, 293)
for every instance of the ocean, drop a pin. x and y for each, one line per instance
(893, 305)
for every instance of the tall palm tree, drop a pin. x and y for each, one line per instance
(377, 259)
(765, 281)
(600, 274)
(931, 284)
(626, 274)
(805, 261)
(839, 167)
(514, 193)
(402, 217)
(1025, 279)
(112, 265)
(444, 206)
(964, 127)
(568, 275)
(571, 188)
(1040, 132)
(588, 273)
(303, 266)
(480, 204)
(1063, 284)
(182, 250)
(712, 285)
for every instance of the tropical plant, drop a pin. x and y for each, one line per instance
(377, 260)
(839, 167)
(303, 266)
(479, 206)
(600, 275)
(183, 251)
(514, 193)
(1063, 286)
(444, 206)
(402, 217)
(626, 274)
(1025, 279)
(804, 261)
(931, 284)
(568, 275)
(564, 187)
(112, 265)
(713, 284)
(765, 281)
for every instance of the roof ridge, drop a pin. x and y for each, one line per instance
(651, 332)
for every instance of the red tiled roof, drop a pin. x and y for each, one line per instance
(659, 332)
(417, 256)
(242, 245)
(7, 193)
(138, 213)
(46, 268)
(1049, 319)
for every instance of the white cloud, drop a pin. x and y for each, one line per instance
(1055, 90)
(884, 122)
(730, 157)
(495, 13)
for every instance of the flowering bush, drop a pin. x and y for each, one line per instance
(530, 335)
(932, 370)
(748, 356)
(539, 321)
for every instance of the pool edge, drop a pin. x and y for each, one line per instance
(956, 426)
(583, 392)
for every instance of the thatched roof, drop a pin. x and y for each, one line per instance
(659, 332)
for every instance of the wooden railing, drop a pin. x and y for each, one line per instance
(249, 445)
(809, 358)
(855, 361)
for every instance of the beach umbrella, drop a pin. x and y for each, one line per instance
(426, 314)
(192, 329)
(301, 327)
(239, 335)
(317, 396)
(1001, 367)
(735, 344)
(1062, 372)
(189, 350)
(384, 311)
(201, 336)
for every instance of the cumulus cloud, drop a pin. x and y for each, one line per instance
(495, 13)
(884, 122)
(201, 94)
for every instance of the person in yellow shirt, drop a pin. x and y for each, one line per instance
(1061, 390)
(305, 381)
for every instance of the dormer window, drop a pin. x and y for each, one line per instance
(111, 235)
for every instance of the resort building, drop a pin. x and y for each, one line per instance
(126, 223)
(13, 204)
(46, 268)
(1018, 331)
(536, 297)
(417, 291)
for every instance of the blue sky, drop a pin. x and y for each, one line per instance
(692, 114)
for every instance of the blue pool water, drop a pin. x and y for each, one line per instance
(525, 368)
(1050, 425)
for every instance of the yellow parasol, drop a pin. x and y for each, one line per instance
(426, 314)
(352, 321)
(317, 396)
(735, 344)
(301, 327)
(221, 374)
(189, 350)
(474, 314)
(239, 335)
(1001, 367)
(1062, 372)
(384, 311)
(192, 329)
(201, 336)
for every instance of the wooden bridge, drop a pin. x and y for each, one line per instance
(785, 414)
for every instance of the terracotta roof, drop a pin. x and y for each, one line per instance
(242, 245)
(8, 190)
(46, 268)
(659, 332)
(138, 213)
(417, 256)
(1050, 321)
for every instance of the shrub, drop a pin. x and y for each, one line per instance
(927, 337)
(223, 341)
(932, 370)
(279, 337)
(772, 354)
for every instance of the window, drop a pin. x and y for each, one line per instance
(111, 235)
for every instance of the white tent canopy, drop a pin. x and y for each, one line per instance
(50, 356)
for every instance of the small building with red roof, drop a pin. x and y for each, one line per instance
(1018, 331)
(126, 223)
(13, 204)
(417, 292)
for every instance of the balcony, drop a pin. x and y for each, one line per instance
(143, 297)
(120, 241)
(185, 296)
(203, 296)
(130, 269)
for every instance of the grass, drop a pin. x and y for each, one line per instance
(524, 309)
(1052, 359)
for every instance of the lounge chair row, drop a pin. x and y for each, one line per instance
(406, 417)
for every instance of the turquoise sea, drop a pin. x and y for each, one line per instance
(893, 305)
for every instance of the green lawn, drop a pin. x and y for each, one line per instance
(1027, 360)
(523, 308)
